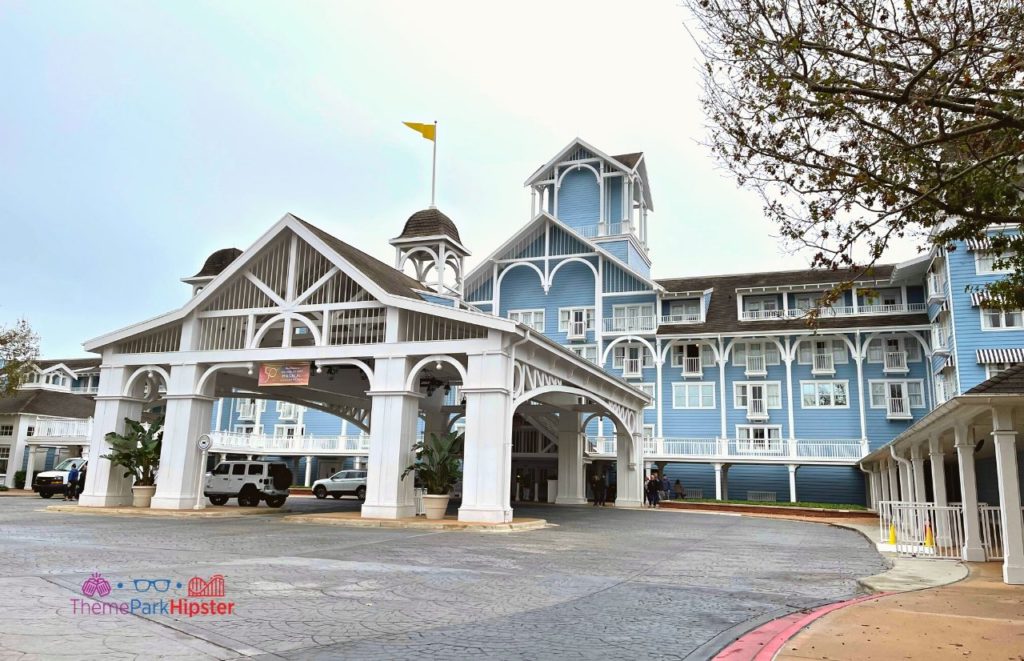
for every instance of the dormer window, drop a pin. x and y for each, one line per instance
(682, 312)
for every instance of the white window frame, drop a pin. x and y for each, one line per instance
(536, 314)
(992, 369)
(282, 408)
(840, 353)
(643, 310)
(699, 386)
(677, 309)
(5, 459)
(619, 357)
(297, 430)
(745, 384)
(770, 351)
(906, 389)
(983, 260)
(588, 317)
(648, 432)
(239, 428)
(8, 427)
(768, 438)
(651, 389)
(677, 354)
(832, 383)
(258, 407)
(986, 322)
(579, 350)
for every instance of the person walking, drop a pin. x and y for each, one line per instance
(653, 485)
(81, 483)
(600, 491)
(647, 482)
(678, 491)
(666, 488)
(72, 483)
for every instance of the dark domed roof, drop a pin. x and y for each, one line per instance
(217, 262)
(430, 222)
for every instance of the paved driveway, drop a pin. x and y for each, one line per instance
(602, 584)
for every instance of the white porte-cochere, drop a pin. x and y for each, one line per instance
(380, 348)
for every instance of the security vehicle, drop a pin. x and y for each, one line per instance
(350, 482)
(249, 482)
(55, 480)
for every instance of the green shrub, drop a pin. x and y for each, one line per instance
(19, 479)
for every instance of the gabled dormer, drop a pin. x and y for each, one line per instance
(602, 197)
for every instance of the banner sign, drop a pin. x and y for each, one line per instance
(284, 374)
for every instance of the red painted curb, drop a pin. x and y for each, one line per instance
(765, 641)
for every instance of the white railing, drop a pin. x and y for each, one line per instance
(630, 324)
(897, 408)
(936, 287)
(692, 367)
(63, 428)
(834, 311)
(922, 529)
(824, 363)
(991, 531)
(605, 229)
(756, 409)
(631, 367)
(682, 318)
(85, 390)
(755, 365)
(895, 361)
(776, 449)
(577, 330)
(242, 443)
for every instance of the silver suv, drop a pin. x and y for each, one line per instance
(249, 482)
(348, 482)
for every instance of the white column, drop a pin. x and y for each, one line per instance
(883, 479)
(629, 477)
(487, 469)
(917, 461)
(30, 467)
(187, 417)
(721, 481)
(790, 418)
(938, 460)
(792, 482)
(393, 417)
(309, 472)
(1005, 437)
(105, 485)
(571, 480)
(894, 480)
(972, 551)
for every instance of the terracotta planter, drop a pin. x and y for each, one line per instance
(141, 496)
(435, 506)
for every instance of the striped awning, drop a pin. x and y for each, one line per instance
(978, 298)
(989, 356)
(950, 361)
(978, 244)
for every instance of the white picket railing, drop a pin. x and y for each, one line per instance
(756, 365)
(577, 330)
(834, 311)
(631, 367)
(922, 529)
(756, 409)
(605, 229)
(692, 367)
(895, 361)
(824, 363)
(991, 531)
(898, 408)
(630, 324)
(63, 428)
(836, 450)
(242, 443)
(682, 318)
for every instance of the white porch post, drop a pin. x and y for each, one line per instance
(393, 417)
(571, 483)
(792, 482)
(973, 551)
(938, 471)
(30, 468)
(629, 482)
(917, 462)
(309, 472)
(188, 416)
(721, 481)
(104, 484)
(1005, 437)
(487, 469)
(894, 480)
(883, 481)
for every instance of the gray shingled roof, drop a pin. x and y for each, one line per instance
(217, 262)
(389, 279)
(721, 314)
(430, 222)
(76, 364)
(1007, 382)
(629, 160)
(48, 402)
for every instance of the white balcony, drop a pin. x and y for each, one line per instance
(895, 362)
(63, 428)
(762, 315)
(577, 330)
(692, 367)
(940, 342)
(834, 311)
(936, 289)
(616, 228)
(647, 324)
(241, 443)
(743, 450)
(695, 318)
(756, 365)
(823, 365)
(897, 408)
(631, 368)
(756, 410)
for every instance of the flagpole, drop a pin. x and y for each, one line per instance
(433, 168)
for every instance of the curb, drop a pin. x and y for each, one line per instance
(206, 513)
(515, 526)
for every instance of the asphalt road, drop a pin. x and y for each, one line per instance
(600, 584)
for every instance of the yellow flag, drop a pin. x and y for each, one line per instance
(428, 131)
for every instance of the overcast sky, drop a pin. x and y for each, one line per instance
(137, 138)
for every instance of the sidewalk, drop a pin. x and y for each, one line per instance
(979, 618)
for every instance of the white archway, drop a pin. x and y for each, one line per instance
(436, 358)
(148, 370)
(568, 260)
(630, 339)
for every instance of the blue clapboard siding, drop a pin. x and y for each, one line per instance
(579, 199)
(617, 249)
(613, 199)
(638, 261)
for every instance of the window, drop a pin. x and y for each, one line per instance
(915, 392)
(5, 455)
(766, 349)
(255, 469)
(238, 469)
(633, 317)
(222, 469)
(648, 433)
(824, 395)
(808, 349)
(770, 391)
(884, 390)
(286, 431)
(696, 395)
(532, 318)
(585, 351)
(761, 307)
(984, 261)
(751, 438)
(995, 368)
(999, 319)
(682, 311)
(574, 319)
(248, 409)
(6, 430)
(649, 389)
(879, 347)
(704, 355)
(633, 352)
(287, 410)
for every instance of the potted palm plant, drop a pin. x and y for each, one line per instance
(438, 468)
(138, 452)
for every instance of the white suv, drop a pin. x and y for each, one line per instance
(249, 482)
(351, 482)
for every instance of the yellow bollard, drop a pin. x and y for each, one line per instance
(929, 538)
(892, 533)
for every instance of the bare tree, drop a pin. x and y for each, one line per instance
(860, 121)
(19, 347)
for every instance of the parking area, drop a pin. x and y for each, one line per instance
(601, 583)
